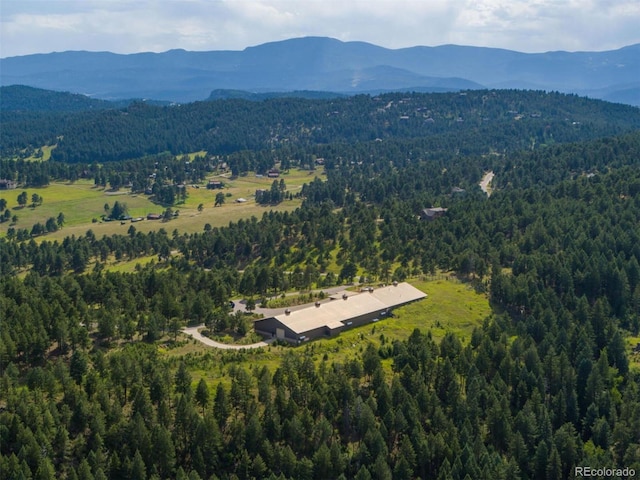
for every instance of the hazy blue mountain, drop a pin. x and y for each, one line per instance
(329, 65)
(223, 94)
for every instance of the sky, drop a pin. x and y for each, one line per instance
(43, 26)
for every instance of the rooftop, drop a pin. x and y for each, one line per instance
(333, 313)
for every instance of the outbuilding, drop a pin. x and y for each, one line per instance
(6, 184)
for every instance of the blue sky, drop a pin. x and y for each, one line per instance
(42, 26)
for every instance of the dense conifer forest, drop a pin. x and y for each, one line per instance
(548, 383)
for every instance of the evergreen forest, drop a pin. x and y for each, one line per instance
(91, 386)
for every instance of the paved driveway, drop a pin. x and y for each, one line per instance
(267, 312)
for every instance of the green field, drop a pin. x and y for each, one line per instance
(81, 202)
(129, 266)
(46, 154)
(450, 306)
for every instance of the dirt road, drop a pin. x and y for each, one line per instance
(486, 182)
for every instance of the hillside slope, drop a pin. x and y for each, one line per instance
(479, 120)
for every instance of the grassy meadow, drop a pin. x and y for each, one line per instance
(45, 154)
(450, 306)
(82, 202)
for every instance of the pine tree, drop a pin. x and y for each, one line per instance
(221, 406)
(202, 394)
(138, 467)
(183, 380)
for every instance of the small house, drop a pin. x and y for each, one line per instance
(6, 184)
(432, 213)
(215, 185)
(154, 216)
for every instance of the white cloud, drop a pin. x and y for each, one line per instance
(30, 26)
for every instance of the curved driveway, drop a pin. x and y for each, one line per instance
(267, 312)
(193, 331)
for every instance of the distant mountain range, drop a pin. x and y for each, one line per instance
(318, 64)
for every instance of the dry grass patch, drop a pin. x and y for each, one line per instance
(82, 204)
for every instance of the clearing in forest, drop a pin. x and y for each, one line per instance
(82, 204)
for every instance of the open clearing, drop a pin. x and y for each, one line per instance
(46, 154)
(81, 202)
(485, 183)
(451, 306)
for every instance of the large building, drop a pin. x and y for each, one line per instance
(345, 311)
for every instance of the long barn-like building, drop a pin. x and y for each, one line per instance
(347, 311)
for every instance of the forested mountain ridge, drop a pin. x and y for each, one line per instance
(22, 98)
(326, 64)
(91, 388)
(479, 121)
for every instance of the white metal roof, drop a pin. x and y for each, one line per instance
(399, 294)
(333, 313)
